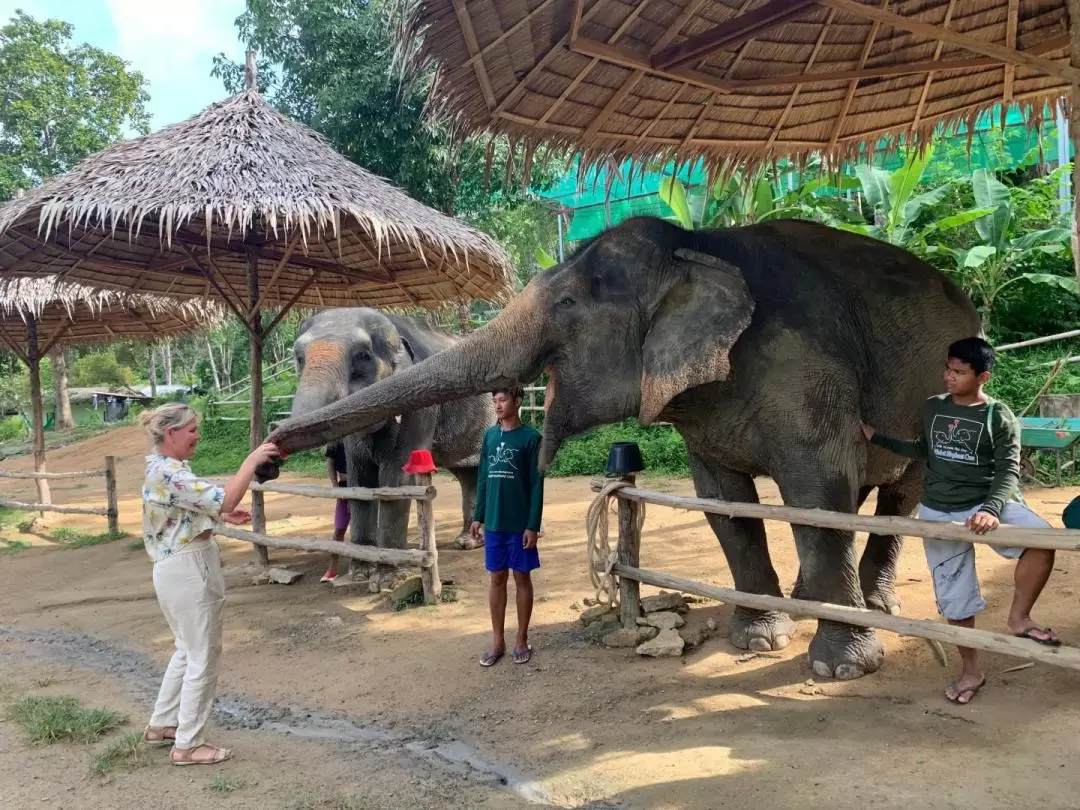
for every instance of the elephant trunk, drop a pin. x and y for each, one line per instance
(324, 379)
(505, 351)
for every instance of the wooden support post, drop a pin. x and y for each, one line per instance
(258, 507)
(425, 520)
(110, 495)
(1073, 7)
(33, 355)
(628, 553)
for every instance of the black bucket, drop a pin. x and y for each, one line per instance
(624, 458)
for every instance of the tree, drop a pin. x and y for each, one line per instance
(64, 418)
(59, 102)
(329, 64)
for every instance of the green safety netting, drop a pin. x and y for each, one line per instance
(592, 206)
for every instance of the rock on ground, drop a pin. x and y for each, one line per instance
(281, 576)
(667, 644)
(663, 620)
(663, 601)
(598, 613)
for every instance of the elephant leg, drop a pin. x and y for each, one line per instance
(747, 553)
(393, 518)
(363, 518)
(798, 590)
(877, 568)
(466, 478)
(828, 572)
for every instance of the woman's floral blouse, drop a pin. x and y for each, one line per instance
(177, 506)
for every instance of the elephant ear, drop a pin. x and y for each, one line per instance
(405, 355)
(692, 329)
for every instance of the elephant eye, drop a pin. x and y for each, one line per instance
(565, 301)
(363, 356)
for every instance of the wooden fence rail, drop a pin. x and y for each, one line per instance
(627, 568)
(110, 511)
(426, 558)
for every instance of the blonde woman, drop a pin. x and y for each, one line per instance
(179, 512)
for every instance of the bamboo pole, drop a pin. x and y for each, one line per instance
(417, 493)
(1068, 657)
(1058, 539)
(1039, 340)
(51, 507)
(425, 520)
(113, 512)
(372, 554)
(53, 476)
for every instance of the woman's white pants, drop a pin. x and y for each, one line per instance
(191, 592)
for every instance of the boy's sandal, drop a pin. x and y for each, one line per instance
(1050, 641)
(964, 696)
(190, 757)
(159, 737)
(522, 655)
(490, 659)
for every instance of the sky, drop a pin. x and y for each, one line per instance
(171, 42)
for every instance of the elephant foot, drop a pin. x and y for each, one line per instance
(760, 631)
(882, 599)
(466, 542)
(844, 652)
(360, 570)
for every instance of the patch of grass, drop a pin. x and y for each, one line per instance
(226, 784)
(415, 599)
(12, 546)
(136, 545)
(26, 525)
(330, 802)
(9, 516)
(127, 752)
(56, 719)
(448, 594)
(72, 538)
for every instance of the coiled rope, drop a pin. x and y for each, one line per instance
(601, 556)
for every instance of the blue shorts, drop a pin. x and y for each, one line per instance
(503, 550)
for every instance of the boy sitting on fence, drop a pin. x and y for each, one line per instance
(970, 445)
(509, 507)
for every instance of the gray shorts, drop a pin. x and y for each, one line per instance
(952, 563)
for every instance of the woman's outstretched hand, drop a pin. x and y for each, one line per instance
(266, 453)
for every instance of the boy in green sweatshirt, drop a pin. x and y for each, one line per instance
(509, 507)
(970, 445)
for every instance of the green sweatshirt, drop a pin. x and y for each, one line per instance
(510, 488)
(967, 465)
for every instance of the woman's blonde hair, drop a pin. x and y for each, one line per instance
(173, 416)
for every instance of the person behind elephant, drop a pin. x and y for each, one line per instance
(336, 470)
(509, 507)
(178, 517)
(970, 445)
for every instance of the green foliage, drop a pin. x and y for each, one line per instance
(12, 546)
(62, 719)
(100, 368)
(61, 102)
(11, 427)
(223, 446)
(662, 449)
(72, 538)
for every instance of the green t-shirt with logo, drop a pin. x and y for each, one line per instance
(510, 488)
(971, 452)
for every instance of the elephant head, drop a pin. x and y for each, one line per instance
(631, 320)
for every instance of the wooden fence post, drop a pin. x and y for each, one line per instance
(113, 513)
(628, 552)
(425, 519)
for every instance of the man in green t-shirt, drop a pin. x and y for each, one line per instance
(509, 507)
(970, 445)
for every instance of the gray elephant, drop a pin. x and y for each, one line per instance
(341, 351)
(764, 346)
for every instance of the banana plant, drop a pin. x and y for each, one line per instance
(988, 269)
(544, 260)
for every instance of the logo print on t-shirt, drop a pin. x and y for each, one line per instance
(956, 439)
(503, 462)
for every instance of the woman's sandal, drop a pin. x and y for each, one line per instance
(159, 737)
(189, 758)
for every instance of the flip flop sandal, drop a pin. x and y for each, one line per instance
(490, 659)
(971, 692)
(1049, 642)
(161, 741)
(220, 755)
(522, 656)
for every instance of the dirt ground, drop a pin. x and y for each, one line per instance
(333, 700)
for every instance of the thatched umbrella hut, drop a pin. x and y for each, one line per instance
(242, 204)
(37, 314)
(740, 81)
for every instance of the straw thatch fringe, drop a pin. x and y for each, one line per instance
(534, 75)
(241, 169)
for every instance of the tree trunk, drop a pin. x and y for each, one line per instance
(1073, 7)
(166, 352)
(64, 418)
(153, 373)
(36, 411)
(213, 365)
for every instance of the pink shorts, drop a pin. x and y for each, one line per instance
(341, 514)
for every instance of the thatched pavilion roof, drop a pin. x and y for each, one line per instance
(734, 80)
(64, 312)
(177, 212)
